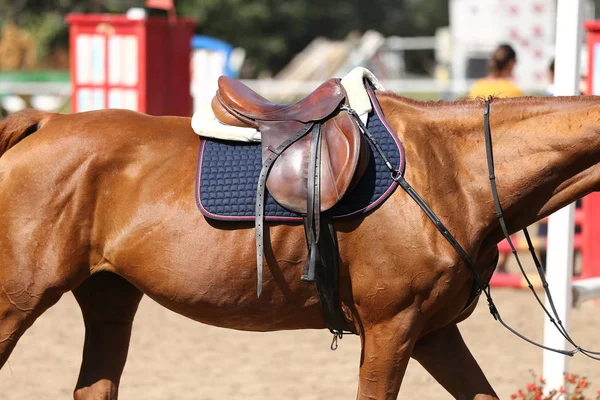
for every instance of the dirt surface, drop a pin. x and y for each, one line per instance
(172, 357)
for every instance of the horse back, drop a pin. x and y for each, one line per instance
(83, 176)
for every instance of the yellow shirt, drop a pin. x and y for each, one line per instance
(499, 87)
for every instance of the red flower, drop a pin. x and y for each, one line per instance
(513, 396)
(583, 383)
(521, 394)
(542, 380)
(531, 387)
(569, 378)
(561, 390)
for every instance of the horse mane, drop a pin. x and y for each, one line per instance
(427, 103)
(478, 102)
(447, 114)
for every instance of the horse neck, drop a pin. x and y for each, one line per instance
(546, 154)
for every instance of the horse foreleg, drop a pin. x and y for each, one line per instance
(386, 350)
(108, 303)
(444, 354)
(21, 302)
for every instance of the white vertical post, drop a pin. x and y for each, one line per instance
(561, 224)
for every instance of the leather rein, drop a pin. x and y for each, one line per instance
(480, 285)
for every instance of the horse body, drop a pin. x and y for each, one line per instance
(102, 204)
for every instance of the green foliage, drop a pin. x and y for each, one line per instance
(45, 20)
(271, 31)
(45, 28)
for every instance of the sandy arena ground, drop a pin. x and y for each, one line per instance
(172, 357)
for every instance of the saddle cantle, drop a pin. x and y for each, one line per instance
(313, 152)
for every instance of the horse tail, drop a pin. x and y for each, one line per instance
(18, 126)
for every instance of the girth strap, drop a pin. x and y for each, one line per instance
(327, 277)
(322, 266)
(260, 199)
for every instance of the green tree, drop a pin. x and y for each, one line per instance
(45, 20)
(271, 31)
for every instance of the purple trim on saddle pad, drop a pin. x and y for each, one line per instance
(227, 175)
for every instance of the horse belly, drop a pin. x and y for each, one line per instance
(209, 275)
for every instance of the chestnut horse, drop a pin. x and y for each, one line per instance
(102, 204)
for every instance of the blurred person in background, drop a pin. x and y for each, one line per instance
(499, 81)
(550, 89)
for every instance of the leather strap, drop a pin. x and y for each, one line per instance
(552, 315)
(327, 276)
(482, 286)
(313, 205)
(260, 198)
(324, 267)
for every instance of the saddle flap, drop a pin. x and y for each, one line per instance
(343, 153)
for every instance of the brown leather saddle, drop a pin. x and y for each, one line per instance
(313, 152)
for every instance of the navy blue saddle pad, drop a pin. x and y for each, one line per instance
(227, 176)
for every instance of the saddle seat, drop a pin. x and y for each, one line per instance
(316, 106)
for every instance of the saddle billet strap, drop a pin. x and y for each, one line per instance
(260, 198)
(313, 205)
(323, 236)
